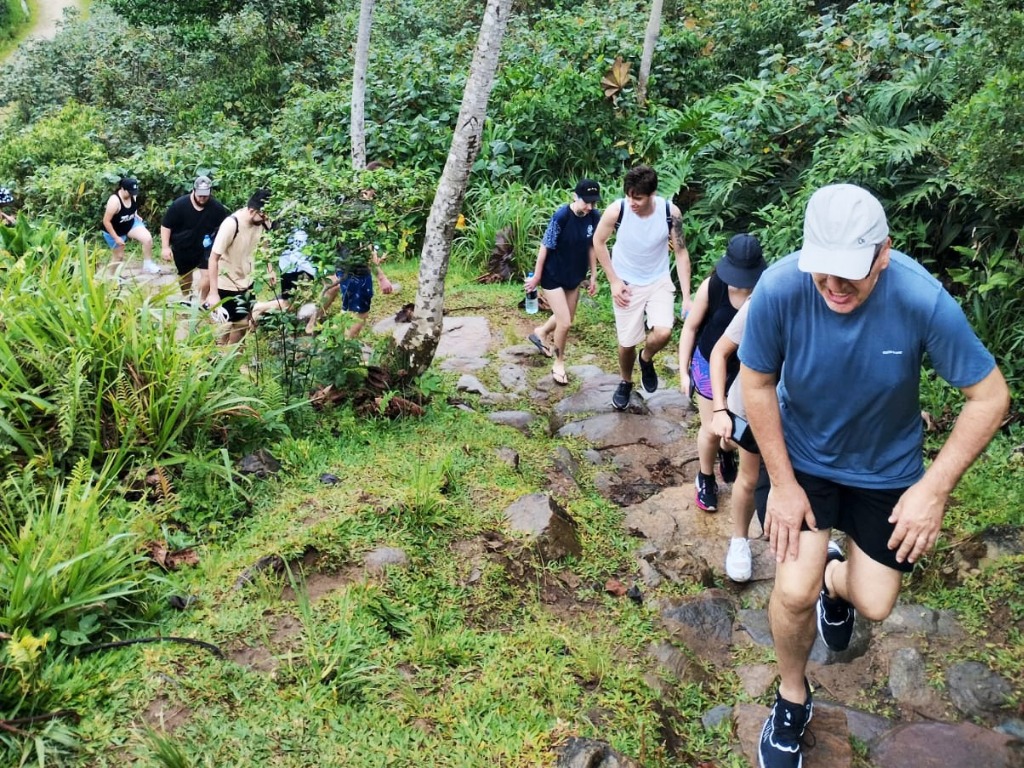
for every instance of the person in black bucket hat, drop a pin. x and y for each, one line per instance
(714, 306)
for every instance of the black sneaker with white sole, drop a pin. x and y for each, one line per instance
(622, 394)
(648, 376)
(780, 738)
(835, 615)
(707, 492)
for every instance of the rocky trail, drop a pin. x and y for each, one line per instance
(937, 710)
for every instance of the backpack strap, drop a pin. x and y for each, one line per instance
(237, 228)
(668, 215)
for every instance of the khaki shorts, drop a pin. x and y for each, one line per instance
(656, 301)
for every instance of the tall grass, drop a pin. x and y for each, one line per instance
(92, 370)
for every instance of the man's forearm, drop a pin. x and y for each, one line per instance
(983, 412)
(683, 270)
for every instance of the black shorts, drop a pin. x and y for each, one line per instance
(552, 279)
(187, 261)
(861, 513)
(237, 303)
(291, 279)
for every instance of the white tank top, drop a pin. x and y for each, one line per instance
(640, 253)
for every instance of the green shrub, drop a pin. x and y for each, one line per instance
(74, 134)
(63, 560)
(97, 373)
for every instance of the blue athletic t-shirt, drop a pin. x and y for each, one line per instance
(849, 389)
(568, 239)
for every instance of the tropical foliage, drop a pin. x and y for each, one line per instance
(114, 428)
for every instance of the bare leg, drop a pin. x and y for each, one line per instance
(707, 441)
(185, 283)
(142, 236)
(656, 340)
(627, 359)
(743, 493)
(356, 328)
(871, 587)
(791, 612)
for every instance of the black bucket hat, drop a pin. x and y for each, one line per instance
(743, 263)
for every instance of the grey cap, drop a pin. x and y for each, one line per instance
(202, 185)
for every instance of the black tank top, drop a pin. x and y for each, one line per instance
(720, 314)
(124, 219)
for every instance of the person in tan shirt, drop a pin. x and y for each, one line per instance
(231, 266)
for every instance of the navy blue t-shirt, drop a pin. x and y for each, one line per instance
(568, 239)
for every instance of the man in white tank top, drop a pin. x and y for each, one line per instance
(645, 227)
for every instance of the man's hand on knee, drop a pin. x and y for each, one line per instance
(786, 512)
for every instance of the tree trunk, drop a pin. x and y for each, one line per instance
(418, 347)
(650, 40)
(358, 124)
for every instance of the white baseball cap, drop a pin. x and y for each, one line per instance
(843, 225)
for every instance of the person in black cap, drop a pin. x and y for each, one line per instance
(715, 304)
(231, 266)
(121, 221)
(565, 256)
(187, 232)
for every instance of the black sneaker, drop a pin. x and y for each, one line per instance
(727, 465)
(621, 397)
(707, 492)
(780, 737)
(835, 615)
(648, 376)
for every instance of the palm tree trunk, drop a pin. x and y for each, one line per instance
(420, 342)
(650, 40)
(358, 123)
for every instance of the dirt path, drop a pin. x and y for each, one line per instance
(48, 14)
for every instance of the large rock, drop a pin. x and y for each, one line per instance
(461, 337)
(827, 740)
(946, 745)
(610, 430)
(976, 690)
(546, 524)
(702, 622)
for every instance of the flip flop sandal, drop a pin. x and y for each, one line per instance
(559, 377)
(534, 339)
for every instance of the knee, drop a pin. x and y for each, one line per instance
(659, 335)
(873, 607)
(794, 600)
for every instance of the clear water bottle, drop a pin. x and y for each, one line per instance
(207, 241)
(532, 305)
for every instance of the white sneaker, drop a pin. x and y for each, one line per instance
(151, 268)
(738, 561)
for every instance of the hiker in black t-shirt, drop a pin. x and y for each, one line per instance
(187, 232)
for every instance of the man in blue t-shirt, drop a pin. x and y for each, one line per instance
(832, 356)
(565, 256)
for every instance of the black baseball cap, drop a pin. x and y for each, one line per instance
(588, 190)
